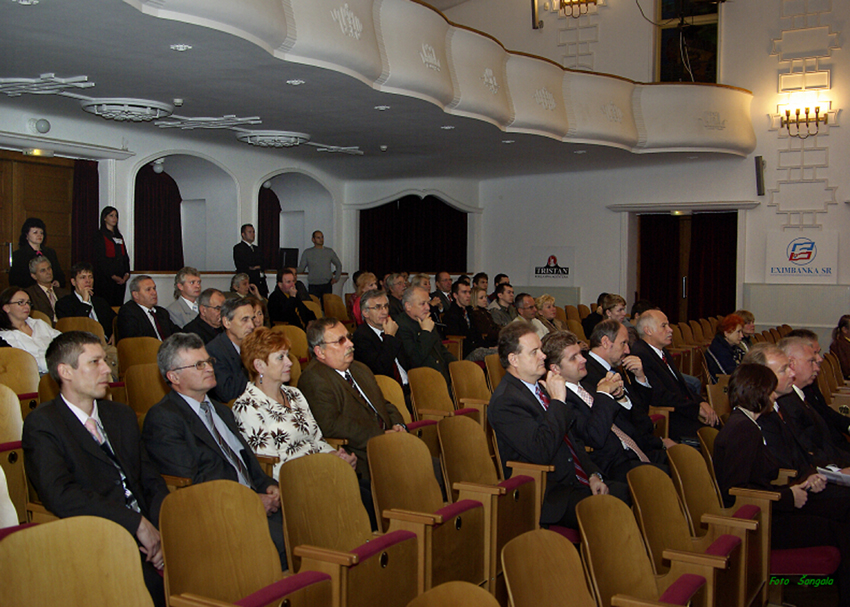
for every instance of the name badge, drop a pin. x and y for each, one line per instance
(118, 240)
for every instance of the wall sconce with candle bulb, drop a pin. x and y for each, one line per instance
(803, 124)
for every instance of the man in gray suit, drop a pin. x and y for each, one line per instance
(187, 289)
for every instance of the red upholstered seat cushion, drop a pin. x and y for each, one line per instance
(816, 560)
(656, 417)
(466, 411)
(571, 534)
(724, 545)
(515, 481)
(681, 591)
(10, 446)
(748, 512)
(421, 423)
(452, 510)
(281, 588)
(14, 528)
(378, 544)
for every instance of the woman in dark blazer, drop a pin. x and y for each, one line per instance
(112, 264)
(725, 351)
(33, 234)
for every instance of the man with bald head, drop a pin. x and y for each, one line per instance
(418, 335)
(668, 386)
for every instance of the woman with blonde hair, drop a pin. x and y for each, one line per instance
(365, 282)
(547, 313)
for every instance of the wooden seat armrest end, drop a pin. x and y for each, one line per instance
(176, 481)
(695, 558)
(770, 496)
(517, 466)
(336, 442)
(478, 488)
(334, 557)
(409, 516)
(728, 521)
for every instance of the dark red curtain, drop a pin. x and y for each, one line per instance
(413, 234)
(713, 264)
(659, 262)
(268, 227)
(85, 216)
(158, 234)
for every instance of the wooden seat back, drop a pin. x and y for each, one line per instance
(575, 327)
(455, 593)
(718, 397)
(297, 341)
(315, 307)
(136, 351)
(394, 394)
(495, 370)
(335, 307)
(81, 323)
(428, 391)
(543, 569)
(583, 311)
(572, 313)
(294, 371)
(12, 457)
(145, 388)
(465, 453)
(39, 315)
(216, 542)
(92, 561)
(468, 380)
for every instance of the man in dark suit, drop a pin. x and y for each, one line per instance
(284, 303)
(416, 331)
(343, 394)
(207, 325)
(142, 317)
(83, 301)
(533, 424)
(615, 452)
(43, 293)
(84, 456)
(668, 387)
(248, 259)
(375, 341)
(609, 351)
(458, 322)
(443, 292)
(187, 434)
(237, 318)
(396, 285)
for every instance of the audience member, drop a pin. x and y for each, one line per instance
(458, 320)
(343, 394)
(533, 424)
(375, 341)
(207, 325)
(274, 419)
(725, 352)
(111, 261)
(526, 309)
(141, 317)
(33, 234)
(43, 294)
(187, 434)
(237, 318)
(501, 308)
(668, 386)
(482, 320)
(749, 329)
(481, 281)
(241, 286)
(318, 259)
(366, 281)
(609, 352)
(499, 279)
(547, 313)
(443, 295)
(396, 285)
(259, 318)
(840, 345)
(187, 288)
(423, 281)
(83, 302)
(248, 260)
(20, 331)
(595, 316)
(418, 335)
(84, 455)
(284, 305)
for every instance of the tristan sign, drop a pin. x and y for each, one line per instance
(552, 266)
(802, 258)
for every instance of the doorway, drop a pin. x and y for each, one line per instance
(687, 263)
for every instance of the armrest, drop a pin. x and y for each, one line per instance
(194, 600)
(621, 600)
(435, 412)
(728, 521)
(694, 558)
(478, 488)
(267, 459)
(176, 482)
(661, 409)
(530, 467)
(770, 496)
(408, 516)
(336, 442)
(473, 401)
(328, 556)
(784, 476)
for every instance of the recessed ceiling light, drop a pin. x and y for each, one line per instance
(508, 141)
(382, 108)
(26, 2)
(693, 157)
(181, 48)
(579, 151)
(295, 82)
(447, 127)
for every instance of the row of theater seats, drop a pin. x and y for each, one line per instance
(217, 548)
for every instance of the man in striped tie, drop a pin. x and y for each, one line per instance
(533, 424)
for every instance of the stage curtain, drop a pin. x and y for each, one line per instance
(85, 215)
(158, 234)
(268, 227)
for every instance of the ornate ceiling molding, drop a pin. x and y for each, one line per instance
(411, 49)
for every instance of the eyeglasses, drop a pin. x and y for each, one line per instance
(341, 341)
(212, 307)
(22, 302)
(385, 306)
(200, 365)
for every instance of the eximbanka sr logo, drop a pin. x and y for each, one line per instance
(801, 251)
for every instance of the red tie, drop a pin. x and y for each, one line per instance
(581, 475)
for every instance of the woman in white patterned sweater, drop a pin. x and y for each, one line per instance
(275, 419)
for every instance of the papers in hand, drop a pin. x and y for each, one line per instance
(835, 477)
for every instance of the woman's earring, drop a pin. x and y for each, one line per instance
(261, 379)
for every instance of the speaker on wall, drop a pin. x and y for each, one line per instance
(760, 175)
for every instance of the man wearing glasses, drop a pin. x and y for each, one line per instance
(207, 325)
(237, 318)
(343, 394)
(190, 435)
(375, 342)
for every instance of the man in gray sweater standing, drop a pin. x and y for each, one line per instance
(319, 259)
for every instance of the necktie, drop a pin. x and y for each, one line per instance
(581, 475)
(363, 398)
(156, 325)
(396, 372)
(51, 296)
(234, 459)
(624, 438)
(94, 429)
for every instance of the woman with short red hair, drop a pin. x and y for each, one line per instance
(725, 352)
